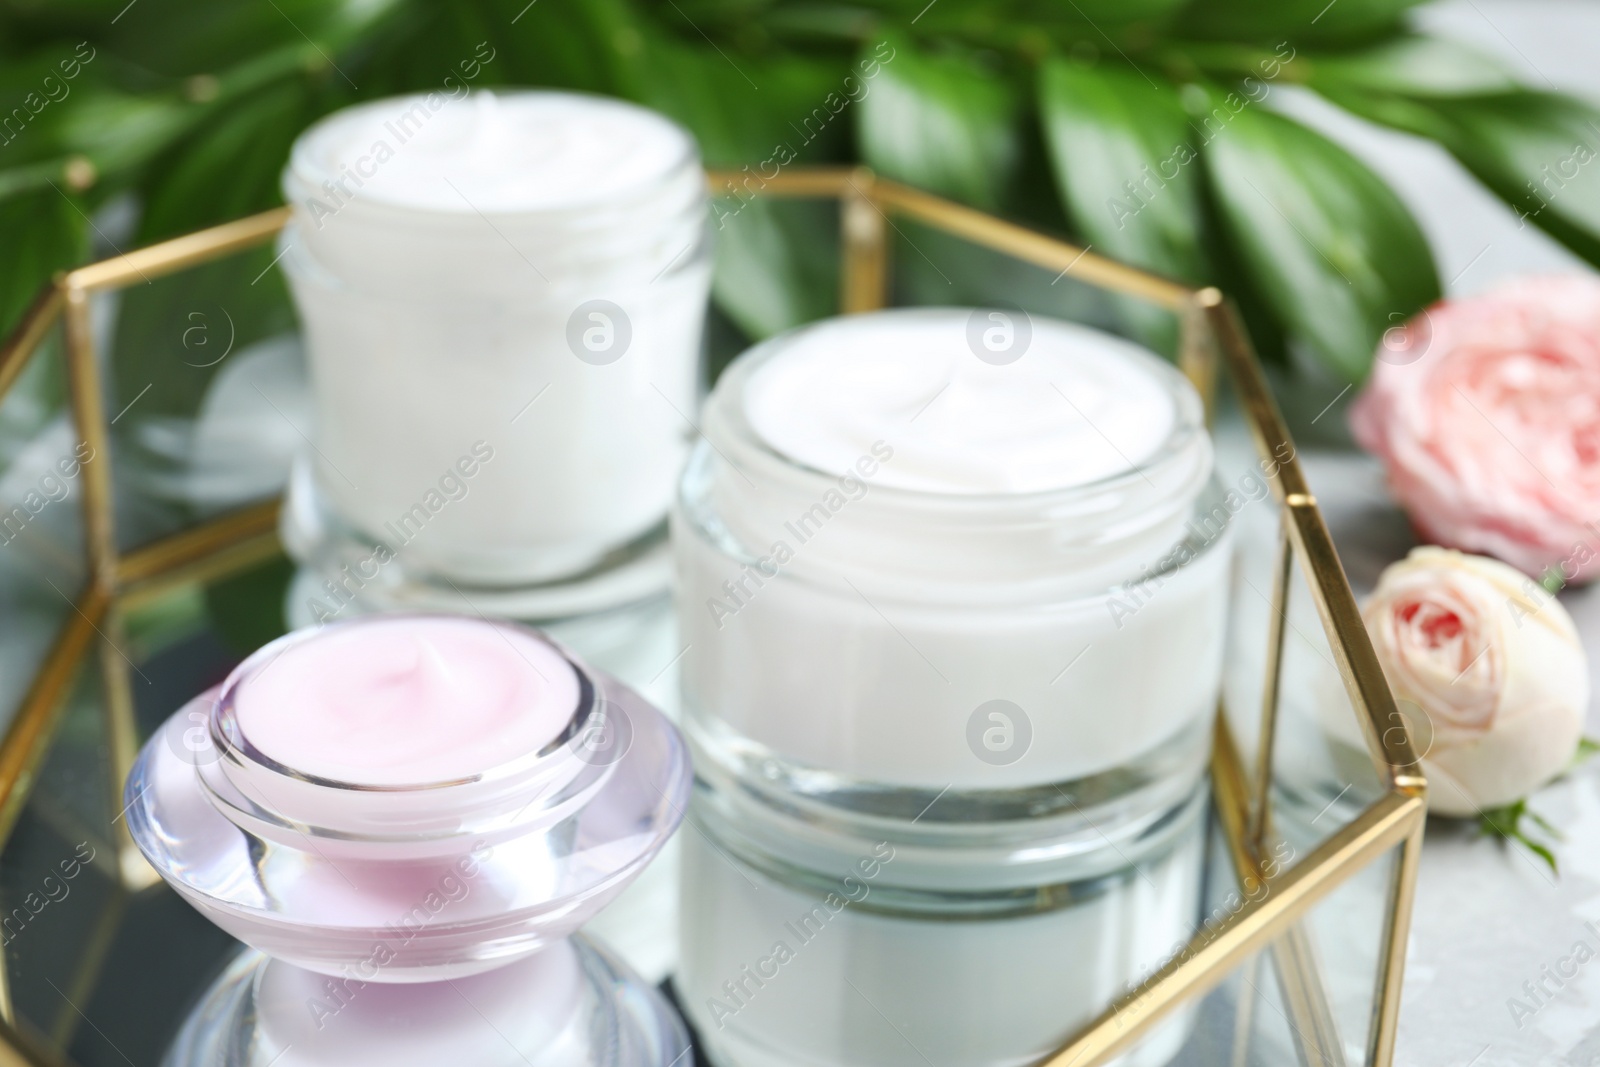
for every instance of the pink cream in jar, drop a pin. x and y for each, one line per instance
(447, 793)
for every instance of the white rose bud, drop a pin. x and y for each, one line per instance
(1494, 666)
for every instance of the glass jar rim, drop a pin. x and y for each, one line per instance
(306, 170)
(228, 737)
(1047, 543)
(726, 425)
(553, 871)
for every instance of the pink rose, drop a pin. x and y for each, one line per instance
(1488, 670)
(1486, 414)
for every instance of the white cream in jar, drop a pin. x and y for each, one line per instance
(503, 298)
(885, 535)
(1077, 407)
(964, 606)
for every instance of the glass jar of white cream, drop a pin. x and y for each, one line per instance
(503, 298)
(907, 572)
(951, 581)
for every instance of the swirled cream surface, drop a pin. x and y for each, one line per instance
(489, 153)
(982, 402)
(408, 700)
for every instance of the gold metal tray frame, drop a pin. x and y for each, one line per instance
(1210, 332)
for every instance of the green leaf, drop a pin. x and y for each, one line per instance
(775, 262)
(1120, 148)
(1261, 322)
(228, 167)
(247, 609)
(1115, 12)
(600, 46)
(178, 38)
(1331, 248)
(32, 177)
(225, 169)
(932, 267)
(44, 232)
(35, 93)
(1411, 65)
(738, 121)
(121, 132)
(1100, 21)
(942, 122)
(1506, 824)
(1538, 151)
(1295, 20)
(1587, 747)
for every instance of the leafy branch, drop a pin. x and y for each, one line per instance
(1144, 127)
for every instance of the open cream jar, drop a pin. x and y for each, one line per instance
(954, 613)
(905, 567)
(502, 298)
(401, 812)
